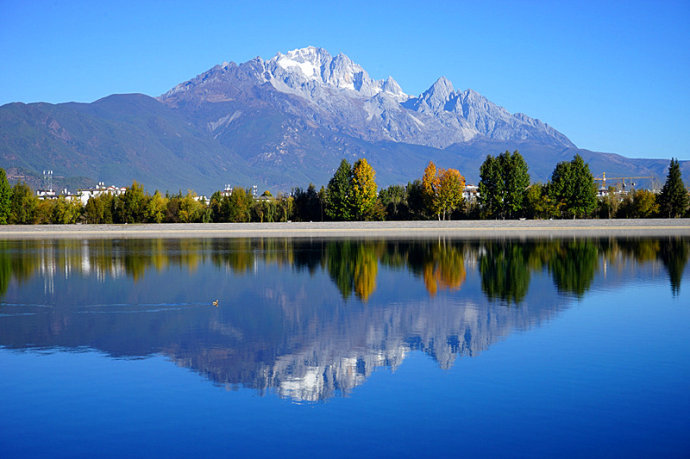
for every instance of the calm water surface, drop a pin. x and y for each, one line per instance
(577, 347)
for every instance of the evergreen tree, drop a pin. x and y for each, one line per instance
(673, 200)
(307, 204)
(339, 193)
(5, 198)
(416, 200)
(515, 182)
(216, 207)
(572, 187)
(503, 185)
(490, 187)
(394, 200)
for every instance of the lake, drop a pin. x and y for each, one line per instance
(345, 347)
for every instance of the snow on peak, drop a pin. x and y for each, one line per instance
(313, 64)
(308, 61)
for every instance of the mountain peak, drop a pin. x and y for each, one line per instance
(335, 92)
(441, 89)
(307, 61)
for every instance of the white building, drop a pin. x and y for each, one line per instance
(100, 189)
(470, 193)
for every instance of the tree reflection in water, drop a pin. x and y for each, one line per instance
(505, 266)
(504, 270)
(299, 340)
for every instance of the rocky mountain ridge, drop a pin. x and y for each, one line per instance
(335, 92)
(281, 123)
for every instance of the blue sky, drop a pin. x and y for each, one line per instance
(612, 76)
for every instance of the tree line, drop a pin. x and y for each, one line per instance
(505, 191)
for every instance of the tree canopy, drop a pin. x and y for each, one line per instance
(5, 198)
(442, 190)
(503, 185)
(572, 188)
(673, 199)
(338, 193)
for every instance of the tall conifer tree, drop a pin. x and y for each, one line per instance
(673, 200)
(339, 193)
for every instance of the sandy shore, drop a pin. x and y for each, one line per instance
(406, 229)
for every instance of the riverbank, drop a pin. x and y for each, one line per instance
(390, 229)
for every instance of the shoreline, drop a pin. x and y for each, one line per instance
(473, 229)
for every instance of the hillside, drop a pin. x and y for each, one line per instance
(281, 123)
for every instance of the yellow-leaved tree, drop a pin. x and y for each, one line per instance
(442, 190)
(363, 199)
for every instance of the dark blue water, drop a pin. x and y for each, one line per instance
(345, 348)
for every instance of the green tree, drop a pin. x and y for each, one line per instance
(416, 201)
(191, 210)
(285, 208)
(515, 183)
(339, 192)
(66, 211)
(363, 197)
(216, 206)
(23, 204)
(638, 204)
(44, 212)
(491, 187)
(239, 205)
(538, 204)
(308, 204)
(645, 204)
(134, 203)
(5, 198)
(156, 208)
(673, 199)
(610, 205)
(572, 187)
(394, 201)
(503, 185)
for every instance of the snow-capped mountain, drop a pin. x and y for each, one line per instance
(337, 93)
(281, 123)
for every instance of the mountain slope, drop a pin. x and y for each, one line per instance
(280, 123)
(116, 139)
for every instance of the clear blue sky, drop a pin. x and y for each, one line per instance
(612, 76)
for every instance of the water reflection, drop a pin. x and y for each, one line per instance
(307, 319)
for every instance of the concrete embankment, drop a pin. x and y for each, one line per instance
(401, 230)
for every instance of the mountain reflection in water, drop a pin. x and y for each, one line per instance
(280, 324)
